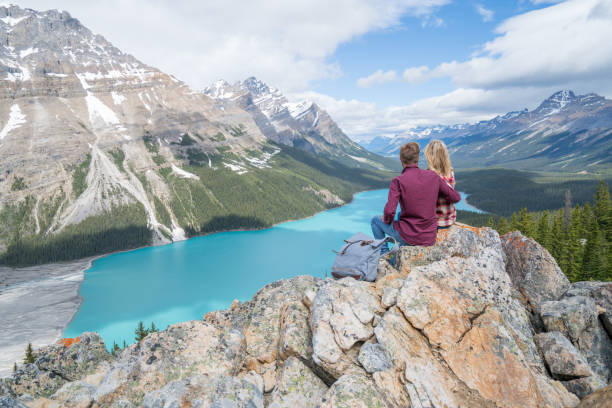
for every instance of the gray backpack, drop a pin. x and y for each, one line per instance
(358, 258)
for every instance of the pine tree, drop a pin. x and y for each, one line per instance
(568, 208)
(603, 209)
(559, 240)
(153, 329)
(543, 232)
(514, 224)
(525, 223)
(15, 367)
(124, 344)
(593, 261)
(502, 226)
(491, 223)
(115, 348)
(30, 357)
(140, 331)
(574, 248)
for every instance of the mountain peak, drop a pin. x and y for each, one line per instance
(255, 86)
(556, 102)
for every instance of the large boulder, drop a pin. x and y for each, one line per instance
(562, 358)
(533, 271)
(576, 318)
(601, 293)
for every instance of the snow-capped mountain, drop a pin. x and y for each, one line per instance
(92, 139)
(302, 124)
(566, 132)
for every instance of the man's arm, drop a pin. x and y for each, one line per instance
(447, 192)
(391, 206)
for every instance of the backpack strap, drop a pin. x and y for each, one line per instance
(396, 244)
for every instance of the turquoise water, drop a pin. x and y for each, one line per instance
(184, 280)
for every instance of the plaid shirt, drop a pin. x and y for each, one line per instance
(445, 210)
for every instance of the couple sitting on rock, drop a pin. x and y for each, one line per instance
(426, 198)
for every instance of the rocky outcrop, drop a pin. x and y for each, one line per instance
(447, 327)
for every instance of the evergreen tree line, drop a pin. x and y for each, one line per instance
(579, 238)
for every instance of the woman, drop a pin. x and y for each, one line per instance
(439, 162)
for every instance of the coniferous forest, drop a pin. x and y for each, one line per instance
(579, 237)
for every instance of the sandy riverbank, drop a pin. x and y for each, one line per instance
(36, 304)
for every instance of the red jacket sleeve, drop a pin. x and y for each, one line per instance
(447, 192)
(391, 206)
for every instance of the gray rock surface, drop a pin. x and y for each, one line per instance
(8, 402)
(584, 386)
(562, 358)
(599, 399)
(576, 317)
(297, 386)
(374, 357)
(533, 271)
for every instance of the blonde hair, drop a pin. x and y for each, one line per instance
(438, 159)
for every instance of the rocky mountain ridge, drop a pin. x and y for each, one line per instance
(566, 132)
(303, 124)
(93, 140)
(477, 320)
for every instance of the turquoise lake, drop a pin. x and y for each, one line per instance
(184, 280)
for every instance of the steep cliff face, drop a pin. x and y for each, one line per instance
(474, 321)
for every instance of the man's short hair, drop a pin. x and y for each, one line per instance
(409, 153)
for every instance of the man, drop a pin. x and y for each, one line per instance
(417, 192)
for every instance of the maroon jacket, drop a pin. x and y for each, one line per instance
(417, 192)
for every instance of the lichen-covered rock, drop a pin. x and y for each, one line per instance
(355, 391)
(205, 391)
(342, 315)
(297, 386)
(424, 377)
(576, 318)
(533, 271)
(295, 335)
(562, 358)
(55, 365)
(599, 399)
(373, 357)
(601, 293)
(584, 386)
(8, 402)
(488, 359)
(262, 330)
(460, 240)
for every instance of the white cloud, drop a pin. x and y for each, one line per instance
(557, 45)
(379, 77)
(285, 43)
(416, 75)
(486, 14)
(363, 120)
(563, 46)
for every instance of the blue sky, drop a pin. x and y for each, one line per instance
(379, 67)
(414, 42)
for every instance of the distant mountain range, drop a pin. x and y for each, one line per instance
(567, 132)
(303, 125)
(99, 151)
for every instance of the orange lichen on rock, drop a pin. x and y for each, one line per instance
(442, 235)
(477, 230)
(69, 342)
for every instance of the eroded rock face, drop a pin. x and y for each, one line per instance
(297, 386)
(446, 328)
(533, 271)
(562, 358)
